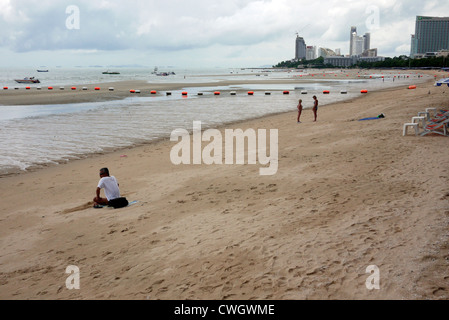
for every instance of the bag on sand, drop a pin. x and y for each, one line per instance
(119, 203)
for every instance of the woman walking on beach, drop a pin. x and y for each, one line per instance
(315, 107)
(299, 110)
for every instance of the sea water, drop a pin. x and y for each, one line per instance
(32, 136)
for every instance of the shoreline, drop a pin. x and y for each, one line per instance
(78, 157)
(12, 97)
(347, 195)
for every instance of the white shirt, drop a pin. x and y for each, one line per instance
(110, 186)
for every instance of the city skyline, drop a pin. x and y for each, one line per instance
(358, 46)
(196, 33)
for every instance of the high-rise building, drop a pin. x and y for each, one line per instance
(367, 41)
(414, 49)
(300, 48)
(431, 35)
(351, 43)
(359, 45)
(310, 53)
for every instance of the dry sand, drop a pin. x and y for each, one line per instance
(347, 195)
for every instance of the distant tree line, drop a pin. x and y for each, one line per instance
(316, 63)
(396, 62)
(405, 62)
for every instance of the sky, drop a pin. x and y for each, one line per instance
(197, 33)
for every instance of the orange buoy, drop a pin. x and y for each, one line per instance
(286, 92)
(364, 91)
(184, 93)
(73, 88)
(97, 89)
(28, 88)
(132, 91)
(326, 92)
(251, 93)
(412, 87)
(50, 88)
(217, 93)
(153, 92)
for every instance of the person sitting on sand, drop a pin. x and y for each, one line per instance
(315, 107)
(110, 186)
(299, 110)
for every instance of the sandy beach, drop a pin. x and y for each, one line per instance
(347, 195)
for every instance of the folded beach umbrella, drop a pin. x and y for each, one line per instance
(442, 81)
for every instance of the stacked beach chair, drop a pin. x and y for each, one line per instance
(436, 124)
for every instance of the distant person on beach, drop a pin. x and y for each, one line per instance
(299, 110)
(111, 189)
(315, 107)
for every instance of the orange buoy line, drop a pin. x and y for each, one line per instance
(412, 87)
(326, 92)
(364, 91)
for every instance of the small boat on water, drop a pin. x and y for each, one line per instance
(165, 74)
(42, 70)
(111, 72)
(27, 80)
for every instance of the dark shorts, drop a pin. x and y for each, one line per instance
(118, 203)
